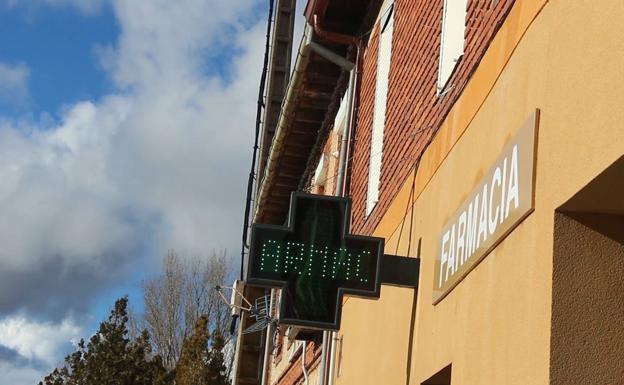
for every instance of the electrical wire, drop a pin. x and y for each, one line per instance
(410, 200)
(335, 175)
(260, 108)
(409, 242)
(407, 207)
(431, 136)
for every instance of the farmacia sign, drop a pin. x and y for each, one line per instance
(500, 201)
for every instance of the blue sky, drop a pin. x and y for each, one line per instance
(117, 143)
(58, 45)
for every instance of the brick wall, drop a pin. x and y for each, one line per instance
(331, 148)
(293, 374)
(414, 111)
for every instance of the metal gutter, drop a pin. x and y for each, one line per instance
(288, 107)
(286, 116)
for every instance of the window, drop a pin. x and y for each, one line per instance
(452, 41)
(386, 25)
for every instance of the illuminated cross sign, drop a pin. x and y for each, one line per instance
(315, 261)
(287, 257)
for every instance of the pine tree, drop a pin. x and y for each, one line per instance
(112, 358)
(216, 365)
(201, 364)
(192, 368)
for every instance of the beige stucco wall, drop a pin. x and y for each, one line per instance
(494, 327)
(587, 338)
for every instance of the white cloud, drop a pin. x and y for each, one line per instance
(56, 197)
(159, 163)
(43, 342)
(38, 346)
(14, 83)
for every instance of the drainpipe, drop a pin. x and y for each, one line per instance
(351, 121)
(339, 38)
(331, 338)
(303, 364)
(323, 371)
(286, 115)
(346, 135)
(268, 344)
(328, 337)
(333, 37)
(341, 177)
(340, 186)
(332, 358)
(347, 66)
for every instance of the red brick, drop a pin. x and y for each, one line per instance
(412, 101)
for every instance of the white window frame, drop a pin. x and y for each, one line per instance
(384, 58)
(452, 41)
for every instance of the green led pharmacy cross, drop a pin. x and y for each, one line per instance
(315, 260)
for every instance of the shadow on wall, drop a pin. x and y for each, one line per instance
(443, 377)
(587, 330)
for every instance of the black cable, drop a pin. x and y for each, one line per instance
(409, 241)
(252, 172)
(350, 158)
(410, 202)
(410, 339)
(416, 166)
(407, 207)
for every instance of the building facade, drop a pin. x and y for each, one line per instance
(485, 138)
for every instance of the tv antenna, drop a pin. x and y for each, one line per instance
(262, 309)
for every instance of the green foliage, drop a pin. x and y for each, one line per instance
(192, 368)
(199, 363)
(216, 364)
(111, 358)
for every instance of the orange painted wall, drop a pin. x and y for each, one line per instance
(563, 57)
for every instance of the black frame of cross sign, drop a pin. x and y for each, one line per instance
(392, 270)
